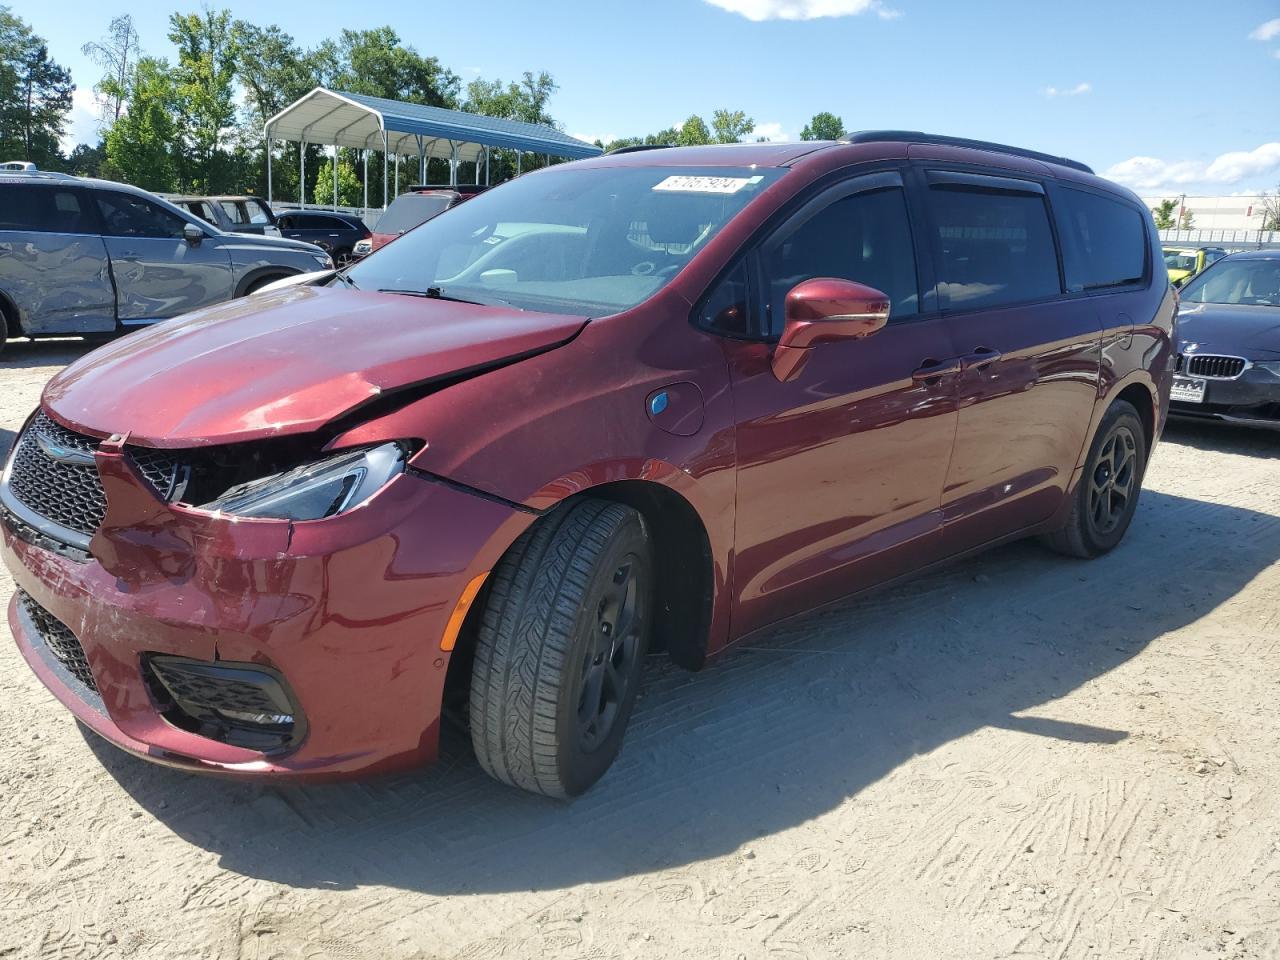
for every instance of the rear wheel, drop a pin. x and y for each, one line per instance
(560, 649)
(1107, 495)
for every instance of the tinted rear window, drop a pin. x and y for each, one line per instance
(44, 210)
(1104, 241)
(994, 247)
(409, 210)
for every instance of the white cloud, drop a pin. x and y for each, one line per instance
(771, 131)
(1154, 175)
(1075, 91)
(758, 10)
(1266, 31)
(82, 121)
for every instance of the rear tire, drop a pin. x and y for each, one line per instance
(1107, 495)
(560, 649)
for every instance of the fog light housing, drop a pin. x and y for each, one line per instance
(241, 704)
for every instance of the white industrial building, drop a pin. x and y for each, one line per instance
(1216, 213)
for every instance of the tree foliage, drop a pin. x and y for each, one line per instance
(116, 54)
(823, 126)
(35, 95)
(730, 126)
(139, 145)
(205, 77)
(1163, 214)
(349, 185)
(1271, 209)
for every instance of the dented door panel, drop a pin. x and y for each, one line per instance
(59, 282)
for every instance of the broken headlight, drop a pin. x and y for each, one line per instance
(315, 490)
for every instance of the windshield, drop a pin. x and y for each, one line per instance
(1180, 261)
(585, 241)
(1237, 281)
(411, 209)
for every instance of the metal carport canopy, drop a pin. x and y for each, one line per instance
(335, 118)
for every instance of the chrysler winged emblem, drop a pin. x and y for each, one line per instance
(63, 453)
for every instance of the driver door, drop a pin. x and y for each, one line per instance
(158, 272)
(841, 468)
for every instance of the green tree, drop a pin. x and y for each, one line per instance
(205, 82)
(87, 161)
(350, 189)
(115, 54)
(375, 63)
(1187, 221)
(1162, 213)
(730, 127)
(140, 144)
(823, 126)
(35, 95)
(526, 100)
(693, 132)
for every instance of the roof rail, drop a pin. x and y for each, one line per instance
(38, 175)
(636, 148)
(915, 136)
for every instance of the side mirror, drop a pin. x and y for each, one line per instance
(821, 310)
(192, 234)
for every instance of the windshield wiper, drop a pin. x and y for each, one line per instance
(437, 293)
(344, 279)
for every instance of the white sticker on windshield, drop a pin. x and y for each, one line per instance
(687, 184)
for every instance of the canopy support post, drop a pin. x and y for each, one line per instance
(335, 178)
(268, 168)
(364, 162)
(486, 167)
(453, 164)
(396, 192)
(422, 161)
(302, 174)
(384, 170)
(519, 154)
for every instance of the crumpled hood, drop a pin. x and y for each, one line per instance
(1237, 329)
(286, 362)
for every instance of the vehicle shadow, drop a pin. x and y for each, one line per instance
(793, 723)
(1223, 437)
(45, 352)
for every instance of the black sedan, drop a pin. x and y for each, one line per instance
(336, 232)
(1229, 342)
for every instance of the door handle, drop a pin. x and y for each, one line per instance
(981, 357)
(932, 371)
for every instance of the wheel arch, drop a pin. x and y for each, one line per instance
(10, 317)
(261, 274)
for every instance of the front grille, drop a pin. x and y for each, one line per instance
(67, 493)
(58, 640)
(1214, 367)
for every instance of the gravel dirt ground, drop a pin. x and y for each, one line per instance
(1020, 756)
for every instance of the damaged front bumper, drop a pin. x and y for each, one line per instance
(344, 614)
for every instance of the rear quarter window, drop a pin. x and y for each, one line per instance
(1104, 240)
(41, 209)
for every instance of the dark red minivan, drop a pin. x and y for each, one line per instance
(656, 400)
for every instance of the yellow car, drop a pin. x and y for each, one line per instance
(1185, 262)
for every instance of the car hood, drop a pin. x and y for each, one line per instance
(257, 241)
(287, 362)
(1238, 329)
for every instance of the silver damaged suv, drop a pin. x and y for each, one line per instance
(81, 256)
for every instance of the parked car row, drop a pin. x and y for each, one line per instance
(650, 401)
(81, 256)
(1183, 263)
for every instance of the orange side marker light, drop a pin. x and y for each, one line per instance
(454, 626)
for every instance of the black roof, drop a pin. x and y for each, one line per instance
(915, 136)
(1254, 255)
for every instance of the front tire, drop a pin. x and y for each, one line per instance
(560, 648)
(1107, 495)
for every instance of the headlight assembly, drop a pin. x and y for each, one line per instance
(315, 490)
(325, 261)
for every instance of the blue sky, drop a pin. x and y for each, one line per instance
(1167, 96)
